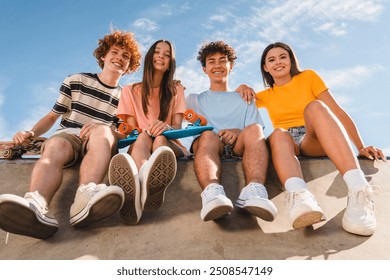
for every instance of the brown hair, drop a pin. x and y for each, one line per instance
(122, 39)
(295, 68)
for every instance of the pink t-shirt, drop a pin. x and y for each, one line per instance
(130, 104)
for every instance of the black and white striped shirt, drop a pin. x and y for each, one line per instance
(84, 98)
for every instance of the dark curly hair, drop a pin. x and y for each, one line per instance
(122, 39)
(216, 47)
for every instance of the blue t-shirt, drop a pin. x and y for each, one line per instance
(224, 110)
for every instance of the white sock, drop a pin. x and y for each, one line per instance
(295, 184)
(355, 180)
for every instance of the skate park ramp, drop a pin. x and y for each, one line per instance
(176, 232)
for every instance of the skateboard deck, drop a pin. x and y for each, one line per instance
(10, 150)
(190, 130)
(197, 124)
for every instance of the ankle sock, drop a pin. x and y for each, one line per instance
(295, 184)
(355, 179)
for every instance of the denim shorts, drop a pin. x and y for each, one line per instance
(297, 133)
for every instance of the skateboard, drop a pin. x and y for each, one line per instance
(9, 150)
(193, 128)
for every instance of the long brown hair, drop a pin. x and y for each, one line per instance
(295, 68)
(167, 87)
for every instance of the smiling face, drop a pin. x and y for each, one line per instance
(217, 68)
(278, 64)
(162, 57)
(117, 60)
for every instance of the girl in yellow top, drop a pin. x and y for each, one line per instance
(308, 121)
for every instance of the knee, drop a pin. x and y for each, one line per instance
(315, 107)
(104, 132)
(208, 139)
(253, 130)
(279, 136)
(53, 145)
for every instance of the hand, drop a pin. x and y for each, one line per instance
(88, 129)
(247, 93)
(21, 137)
(227, 137)
(178, 83)
(157, 127)
(372, 153)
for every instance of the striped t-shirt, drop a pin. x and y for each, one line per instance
(84, 98)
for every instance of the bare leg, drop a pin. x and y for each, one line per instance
(326, 136)
(207, 162)
(46, 176)
(99, 151)
(284, 151)
(251, 146)
(141, 149)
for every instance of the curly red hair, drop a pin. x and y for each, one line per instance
(123, 39)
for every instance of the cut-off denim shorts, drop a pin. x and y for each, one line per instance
(297, 133)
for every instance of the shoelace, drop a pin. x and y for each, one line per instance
(292, 197)
(88, 188)
(257, 191)
(39, 202)
(363, 198)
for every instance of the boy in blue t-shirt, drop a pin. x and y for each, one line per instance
(238, 132)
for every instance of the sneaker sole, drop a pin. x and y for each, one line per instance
(261, 213)
(358, 229)
(98, 209)
(307, 219)
(161, 175)
(121, 173)
(21, 219)
(217, 213)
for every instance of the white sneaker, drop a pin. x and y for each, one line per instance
(94, 203)
(359, 216)
(215, 204)
(26, 216)
(123, 172)
(254, 199)
(304, 210)
(155, 176)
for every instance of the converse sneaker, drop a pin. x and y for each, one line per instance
(254, 199)
(215, 204)
(304, 210)
(359, 216)
(26, 216)
(155, 176)
(123, 172)
(94, 203)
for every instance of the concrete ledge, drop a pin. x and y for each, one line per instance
(175, 231)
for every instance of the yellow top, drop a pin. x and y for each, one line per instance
(285, 104)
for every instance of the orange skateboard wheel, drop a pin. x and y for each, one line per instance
(203, 120)
(190, 116)
(125, 128)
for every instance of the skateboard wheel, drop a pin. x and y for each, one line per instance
(8, 154)
(125, 128)
(190, 116)
(203, 120)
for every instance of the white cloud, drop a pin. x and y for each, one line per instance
(146, 25)
(350, 77)
(192, 77)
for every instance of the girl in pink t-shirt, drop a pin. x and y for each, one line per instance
(154, 105)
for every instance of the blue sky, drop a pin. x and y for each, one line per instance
(347, 42)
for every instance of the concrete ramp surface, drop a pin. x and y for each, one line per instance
(175, 231)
